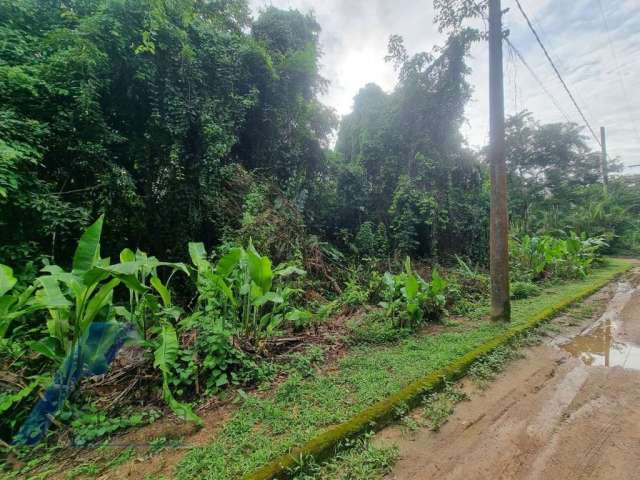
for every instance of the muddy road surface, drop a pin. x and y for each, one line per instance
(569, 409)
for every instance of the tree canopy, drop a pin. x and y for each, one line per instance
(138, 108)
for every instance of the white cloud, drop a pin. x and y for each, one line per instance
(355, 33)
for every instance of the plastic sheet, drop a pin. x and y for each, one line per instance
(92, 355)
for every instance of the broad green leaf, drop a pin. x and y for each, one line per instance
(268, 297)
(228, 262)
(124, 268)
(94, 276)
(132, 283)
(127, 273)
(88, 250)
(127, 255)
(7, 280)
(58, 325)
(49, 347)
(162, 290)
(222, 380)
(6, 304)
(389, 280)
(121, 311)
(297, 315)
(222, 285)
(182, 410)
(290, 270)
(7, 401)
(53, 269)
(259, 269)
(411, 286)
(98, 301)
(49, 295)
(438, 283)
(198, 255)
(175, 265)
(167, 351)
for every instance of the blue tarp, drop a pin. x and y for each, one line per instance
(92, 355)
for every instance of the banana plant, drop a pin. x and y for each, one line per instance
(139, 272)
(266, 306)
(165, 356)
(409, 298)
(150, 298)
(13, 304)
(215, 291)
(75, 299)
(244, 287)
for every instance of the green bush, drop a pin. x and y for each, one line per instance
(371, 241)
(255, 299)
(410, 300)
(535, 258)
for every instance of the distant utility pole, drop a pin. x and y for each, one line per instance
(603, 161)
(499, 236)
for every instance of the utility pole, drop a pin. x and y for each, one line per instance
(603, 160)
(499, 234)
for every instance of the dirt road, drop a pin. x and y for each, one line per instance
(570, 409)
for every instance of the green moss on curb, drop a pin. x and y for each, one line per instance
(382, 413)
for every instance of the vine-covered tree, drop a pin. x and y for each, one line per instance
(406, 164)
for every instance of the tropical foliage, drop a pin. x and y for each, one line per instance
(168, 170)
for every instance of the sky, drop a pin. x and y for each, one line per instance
(594, 43)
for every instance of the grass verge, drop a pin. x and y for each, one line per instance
(309, 418)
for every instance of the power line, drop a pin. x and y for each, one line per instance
(620, 79)
(537, 78)
(555, 69)
(533, 73)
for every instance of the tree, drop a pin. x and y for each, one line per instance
(547, 164)
(405, 162)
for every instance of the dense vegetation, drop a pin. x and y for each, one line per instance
(193, 132)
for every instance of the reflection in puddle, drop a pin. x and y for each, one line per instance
(599, 347)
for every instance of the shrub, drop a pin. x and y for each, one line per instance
(535, 258)
(371, 241)
(375, 328)
(255, 299)
(411, 300)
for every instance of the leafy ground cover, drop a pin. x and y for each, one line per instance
(263, 428)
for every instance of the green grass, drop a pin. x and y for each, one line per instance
(357, 459)
(439, 406)
(301, 408)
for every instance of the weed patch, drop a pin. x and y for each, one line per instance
(439, 406)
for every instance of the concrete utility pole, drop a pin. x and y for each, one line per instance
(603, 160)
(499, 236)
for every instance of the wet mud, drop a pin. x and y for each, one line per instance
(602, 344)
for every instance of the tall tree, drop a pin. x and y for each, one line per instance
(406, 165)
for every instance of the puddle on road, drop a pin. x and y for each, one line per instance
(599, 345)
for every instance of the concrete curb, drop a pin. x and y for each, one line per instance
(382, 413)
